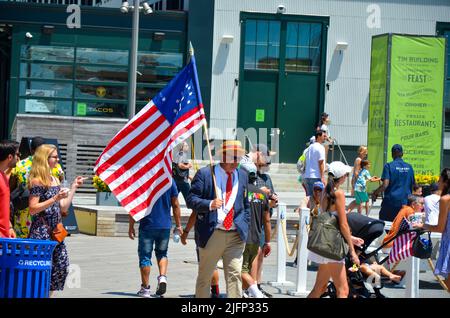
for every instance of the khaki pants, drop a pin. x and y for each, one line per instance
(230, 247)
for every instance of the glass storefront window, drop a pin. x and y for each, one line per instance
(45, 106)
(160, 75)
(145, 94)
(47, 53)
(45, 89)
(102, 73)
(102, 56)
(46, 71)
(100, 109)
(100, 91)
(89, 81)
(172, 60)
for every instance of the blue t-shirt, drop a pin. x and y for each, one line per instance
(401, 179)
(160, 218)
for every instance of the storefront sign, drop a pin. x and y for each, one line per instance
(406, 101)
(416, 100)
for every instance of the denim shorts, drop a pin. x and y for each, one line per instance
(157, 237)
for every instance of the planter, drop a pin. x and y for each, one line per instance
(106, 198)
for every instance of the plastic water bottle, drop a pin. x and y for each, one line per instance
(176, 236)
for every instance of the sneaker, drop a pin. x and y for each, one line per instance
(266, 294)
(245, 294)
(162, 285)
(144, 292)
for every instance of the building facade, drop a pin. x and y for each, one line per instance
(69, 82)
(281, 63)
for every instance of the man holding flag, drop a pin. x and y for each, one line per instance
(137, 163)
(218, 195)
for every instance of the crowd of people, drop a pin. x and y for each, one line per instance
(38, 178)
(232, 204)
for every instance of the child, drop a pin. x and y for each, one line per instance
(361, 195)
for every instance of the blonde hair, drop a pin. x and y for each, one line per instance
(40, 169)
(361, 149)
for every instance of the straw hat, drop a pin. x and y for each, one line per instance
(233, 147)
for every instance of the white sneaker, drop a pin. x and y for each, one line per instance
(144, 292)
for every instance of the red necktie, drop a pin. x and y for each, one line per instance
(229, 218)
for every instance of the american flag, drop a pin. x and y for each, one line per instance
(403, 245)
(137, 163)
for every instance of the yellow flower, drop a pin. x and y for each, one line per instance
(100, 185)
(426, 179)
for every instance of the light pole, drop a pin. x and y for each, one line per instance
(134, 50)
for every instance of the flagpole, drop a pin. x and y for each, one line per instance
(205, 127)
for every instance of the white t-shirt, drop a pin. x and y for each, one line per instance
(315, 153)
(431, 205)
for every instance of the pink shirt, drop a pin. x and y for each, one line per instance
(4, 205)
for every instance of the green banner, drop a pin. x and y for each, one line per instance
(416, 100)
(377, 106)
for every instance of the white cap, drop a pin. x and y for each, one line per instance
(338, 169)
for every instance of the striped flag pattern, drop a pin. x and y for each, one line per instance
(403, 245)
(137, 163)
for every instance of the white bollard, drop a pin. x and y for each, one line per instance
(302, 255)
(412, 277)
(281, 249)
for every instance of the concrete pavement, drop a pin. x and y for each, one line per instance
(107, 267)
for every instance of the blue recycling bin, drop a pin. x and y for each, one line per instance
(25, 268)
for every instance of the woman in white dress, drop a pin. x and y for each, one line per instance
(333, 200)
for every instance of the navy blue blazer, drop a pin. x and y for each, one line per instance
(199, 198)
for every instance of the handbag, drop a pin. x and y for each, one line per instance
(422, 247)
(325, 238)
(58, 233)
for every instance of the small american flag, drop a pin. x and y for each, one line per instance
(403, 245)
(137, 163)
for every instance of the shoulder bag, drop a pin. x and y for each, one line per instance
(58, 233)
(325, 238)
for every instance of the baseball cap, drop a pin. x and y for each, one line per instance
(397, 147)
(264, 150)
(318, 184)
(338, 169)
(249, 167)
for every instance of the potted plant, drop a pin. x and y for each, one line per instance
(425, 181)
(104, 196)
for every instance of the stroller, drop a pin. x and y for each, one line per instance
(368, 229)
